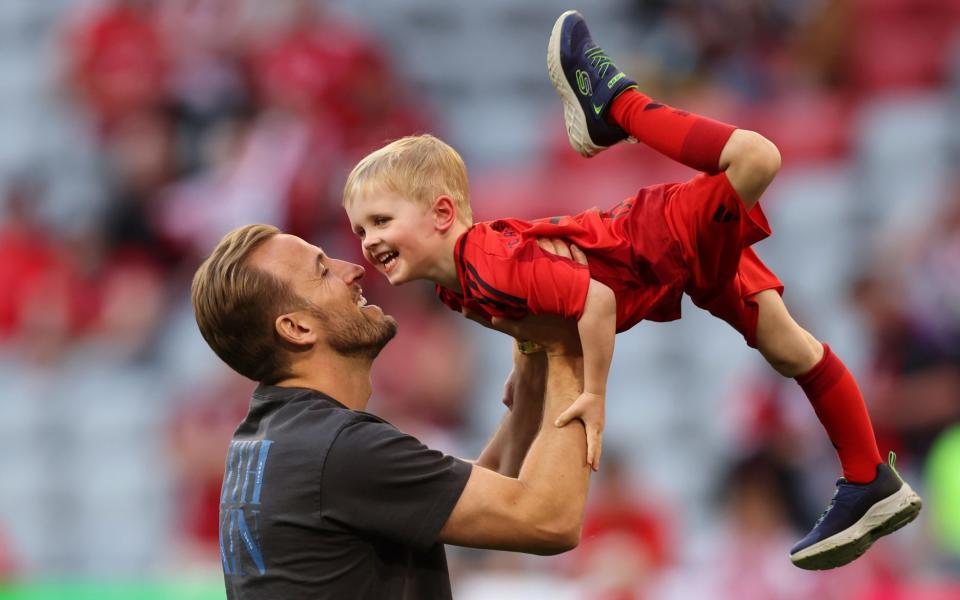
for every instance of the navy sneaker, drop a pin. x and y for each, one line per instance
(858, 515)
(587, 82)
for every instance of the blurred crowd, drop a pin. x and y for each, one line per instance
(191, 117)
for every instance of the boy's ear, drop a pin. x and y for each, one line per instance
(295, 328)
(444, 213)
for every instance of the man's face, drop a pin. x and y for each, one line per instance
(395, 234)
(331, 290)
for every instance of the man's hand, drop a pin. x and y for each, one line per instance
(562, 248)
(555, 334)
(589, 408)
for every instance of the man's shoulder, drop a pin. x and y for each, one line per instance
(369, 447)
(314, 419)
(337, 425)
(363, 430)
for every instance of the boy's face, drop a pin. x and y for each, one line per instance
(395, 234)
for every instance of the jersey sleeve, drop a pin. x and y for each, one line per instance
(537, 281)
(449, 299)
(387, 484)
(557, 285)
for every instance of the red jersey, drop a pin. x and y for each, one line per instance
(629, 248)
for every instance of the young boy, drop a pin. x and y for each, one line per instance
(408, 203)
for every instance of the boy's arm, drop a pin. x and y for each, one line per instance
(598, 328)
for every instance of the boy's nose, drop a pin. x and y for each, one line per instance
(371, 242)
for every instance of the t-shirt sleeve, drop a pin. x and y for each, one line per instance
(387, 484)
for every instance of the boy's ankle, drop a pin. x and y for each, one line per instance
(623, 101)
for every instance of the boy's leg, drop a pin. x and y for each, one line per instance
(751, 303)
(602, 107)
(875, 501)
(749, 160)
(827, 383)
(871, 500)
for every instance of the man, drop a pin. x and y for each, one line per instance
(323, 500)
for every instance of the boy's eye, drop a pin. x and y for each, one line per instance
(380, 220)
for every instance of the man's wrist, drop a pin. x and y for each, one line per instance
(566, 362)
(529, 347)
(528, 365)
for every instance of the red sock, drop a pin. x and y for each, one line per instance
(836, 399)
(687, 138)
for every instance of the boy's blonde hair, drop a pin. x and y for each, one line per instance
(419, 167)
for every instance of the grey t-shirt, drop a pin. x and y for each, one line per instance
(321, 501)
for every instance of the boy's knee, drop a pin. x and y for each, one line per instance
(750, 161)
(757, 154)
(792, 355)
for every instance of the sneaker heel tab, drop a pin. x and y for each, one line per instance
(892, 462)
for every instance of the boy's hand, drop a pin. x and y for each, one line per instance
(589, 408)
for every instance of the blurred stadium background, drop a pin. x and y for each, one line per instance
(134, 133)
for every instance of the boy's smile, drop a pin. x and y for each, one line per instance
(394, 233)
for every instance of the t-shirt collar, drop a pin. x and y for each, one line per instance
(266, 394)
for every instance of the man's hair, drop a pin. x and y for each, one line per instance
(419, 168)
(236, 306)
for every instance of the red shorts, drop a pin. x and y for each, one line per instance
(715, 232)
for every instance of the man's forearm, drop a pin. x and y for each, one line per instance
(507, 448)
(540, 510)
(554, 471)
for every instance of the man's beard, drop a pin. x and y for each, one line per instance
(356, 336)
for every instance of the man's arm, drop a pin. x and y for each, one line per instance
(541, 510)
(597, 328)
(508, 446)
(524, 389)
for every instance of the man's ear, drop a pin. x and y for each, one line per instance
(444, 213)
(297, 329)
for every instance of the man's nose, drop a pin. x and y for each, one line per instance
(348, 271)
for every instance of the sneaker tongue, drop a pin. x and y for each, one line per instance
(580, 31)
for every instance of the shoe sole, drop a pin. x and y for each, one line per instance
(573, 115)
(883, 518)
